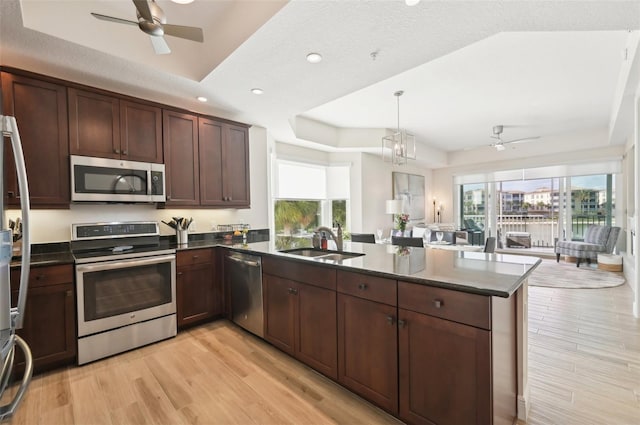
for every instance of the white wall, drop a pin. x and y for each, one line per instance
(55, 225)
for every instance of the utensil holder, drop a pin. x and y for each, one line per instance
(183, 237)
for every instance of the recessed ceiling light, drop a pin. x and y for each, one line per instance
(182, 1)
(314, 57)
(407, 2)
(201, 98)
(257, 91)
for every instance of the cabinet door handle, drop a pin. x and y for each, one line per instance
(401, 323)
(362, 286)
(179, 273)
(195, 257)
(10, 194)
(437, 303)
(125, 152)
(390, 320)
(69, 293)
(116, 151)
(168, 197)
(293, 291)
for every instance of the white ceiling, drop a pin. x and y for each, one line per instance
(539, 68)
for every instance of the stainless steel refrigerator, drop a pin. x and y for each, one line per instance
(11, 317)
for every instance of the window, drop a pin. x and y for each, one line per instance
(474, 201)
(541, 207)
(307, 196)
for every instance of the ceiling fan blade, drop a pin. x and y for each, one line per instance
(112, 19)
(524, 139)
(181, 31)
(159, 45)
(144, 9)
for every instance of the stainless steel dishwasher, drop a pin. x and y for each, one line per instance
(244, 272)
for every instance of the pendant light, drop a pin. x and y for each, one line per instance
(400, 146)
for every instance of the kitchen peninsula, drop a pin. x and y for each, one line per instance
(431, 336)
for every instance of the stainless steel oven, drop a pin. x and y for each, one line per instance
(126, 289)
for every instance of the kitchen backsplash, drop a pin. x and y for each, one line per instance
(55, 225)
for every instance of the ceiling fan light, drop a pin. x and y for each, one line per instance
(257, 91)
(500, 147)
(202, 99)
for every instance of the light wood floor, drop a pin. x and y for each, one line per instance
(584, 369)
(584, 356)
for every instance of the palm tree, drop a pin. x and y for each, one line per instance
(580, 196)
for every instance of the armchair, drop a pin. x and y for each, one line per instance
(597, 239)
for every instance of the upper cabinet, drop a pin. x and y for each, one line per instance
(181, 159)
(109, 127)
(224, 164)
(40, 109)
(206, 159)
(207, 162)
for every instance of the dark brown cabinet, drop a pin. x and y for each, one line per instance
(140, 132)
(50, 315)
(198, 294)
(108, 127)
(224, 164)
(181, 158)
(300, 315)
(368, 350)
(40, 109)
(367, 337)
(445, 371)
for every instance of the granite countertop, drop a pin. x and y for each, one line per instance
(475, 272)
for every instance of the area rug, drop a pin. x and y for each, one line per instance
(567, 275)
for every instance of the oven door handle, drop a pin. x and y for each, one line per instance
(118, 264)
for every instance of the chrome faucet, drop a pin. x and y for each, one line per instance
(336, 239)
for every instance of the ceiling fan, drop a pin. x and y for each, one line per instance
(500, 144)
(151, 20)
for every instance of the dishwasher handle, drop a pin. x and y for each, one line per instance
(246, 262)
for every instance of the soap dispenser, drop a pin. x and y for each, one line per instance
(323, 241)
(315, 240)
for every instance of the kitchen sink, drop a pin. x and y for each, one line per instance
(326, 256)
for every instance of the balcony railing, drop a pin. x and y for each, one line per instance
(543, 229)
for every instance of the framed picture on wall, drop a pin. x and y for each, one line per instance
(410, 188)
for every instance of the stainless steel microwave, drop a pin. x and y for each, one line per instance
(114, 180)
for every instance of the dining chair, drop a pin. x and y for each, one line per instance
(417, 232)
(402, 241)
(446, 237)
(490, 245)
(363, 237)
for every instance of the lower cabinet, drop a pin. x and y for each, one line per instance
(425, 354)
(50, 315)
(445, 371)
(368, 350)
(300, 312)
(300, 319)
(198, 292)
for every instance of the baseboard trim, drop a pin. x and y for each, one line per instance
(523, 405)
